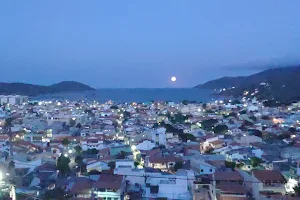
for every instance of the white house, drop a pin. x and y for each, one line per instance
(201, 167)
(247, 139)
(91, 143)
(145, 145)
(125, 163)
(159, 136)
(109, 186)
(96, 165)
(252, 108)
(267, 181)
(167, 186)
(132, 176)
(235, 131)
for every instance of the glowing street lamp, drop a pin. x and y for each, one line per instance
(133, 147)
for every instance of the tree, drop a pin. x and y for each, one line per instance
(186, 136)
(89, 112)
(65, 126)
(185, 102)
(229, 164)
(179, 118)
(121, 155)
(283, 136)
(78, 149)
(136, 164)
(247, 123)
(297, 190)
(92, 151)
(65, 142)
(240, 165)
(265, 117)
(178, 165)
(220, 129)
(168, 115)
(292, 130)
(210, 151)
(79, 159)
(63, 164)
(55, 194)
(77, 104)
(79, 126)
(232, 114)
(255, 161)
(253, 118)
(7, 129)
(270, 103)
(11, 165)
(208, 124)
(257, 133)
(209, 111)
(236, 101)
(80, 163)
(126, 115)
(155, 125)
(204, 106)
(114, 107)
(112, 165)
(243, 112)
(72, 122)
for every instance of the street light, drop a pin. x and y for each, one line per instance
(133, 147)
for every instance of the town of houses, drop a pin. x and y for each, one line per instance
(85, 150)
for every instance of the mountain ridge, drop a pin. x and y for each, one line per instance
(34, 90)
(281, 83)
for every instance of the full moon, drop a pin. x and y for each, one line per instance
(173, 78)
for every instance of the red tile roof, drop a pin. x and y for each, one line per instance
(232, 189)
(269, 175)
(81, 185)
(159, 158)
(228, 176)
(109, 181)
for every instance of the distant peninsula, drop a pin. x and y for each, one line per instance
(34, 90)
(280, 84)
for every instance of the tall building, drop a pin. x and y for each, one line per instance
(13, 99)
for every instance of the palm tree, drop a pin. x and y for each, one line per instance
(7, 129)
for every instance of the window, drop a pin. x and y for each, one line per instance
(116, 198)
(210, 170)
(108, 198)
(201, 170)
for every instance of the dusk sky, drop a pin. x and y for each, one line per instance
(113, 44)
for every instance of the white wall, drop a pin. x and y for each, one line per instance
(132, 175)
(172, 190)
(125, 163)
(206, 169)
(145, 145)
